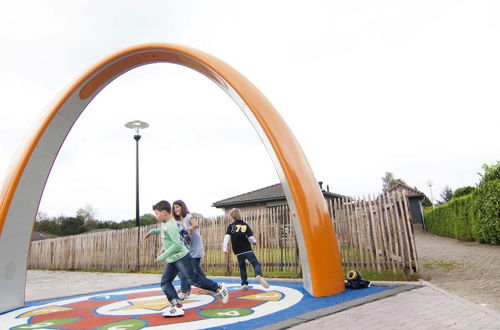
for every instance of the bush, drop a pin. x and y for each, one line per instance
(463, 191)
(456, 219)
(488, 208)
(491, 173)
(475, 216)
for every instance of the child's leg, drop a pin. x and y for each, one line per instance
(198, 272)
(255, 263)
(257, 269)
(169, 273)
(185, 266)
(185, 286)
(243, 268)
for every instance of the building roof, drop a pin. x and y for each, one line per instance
(266, 194)
(411, 192)
(36, 236)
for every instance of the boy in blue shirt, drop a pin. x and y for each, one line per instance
(178, 261)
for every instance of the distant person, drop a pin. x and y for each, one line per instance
(178, 261)
(241, 235)
(193, 240)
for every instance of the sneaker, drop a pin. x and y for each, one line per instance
(184, 295)
(173, 311)
(244, 287)
(262, 282)
(223, 293)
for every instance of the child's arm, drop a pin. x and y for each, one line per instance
(252, 240)
(225, 243)
(249, 234)
(194, 224)
(152, 232)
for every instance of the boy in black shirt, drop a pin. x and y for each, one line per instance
(241, 236)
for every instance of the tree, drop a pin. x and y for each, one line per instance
(389, 181)
(70, 225)
(446, 194)
(491, 173)
(426, 202)
(89, 217)
(147, 219)
(45, 224)
(463, 191)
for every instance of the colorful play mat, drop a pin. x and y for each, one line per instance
(142, 307)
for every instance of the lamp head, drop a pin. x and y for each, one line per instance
(137, 125)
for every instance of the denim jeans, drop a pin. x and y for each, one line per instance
(243, 266)
(198, 272)
(183, 266)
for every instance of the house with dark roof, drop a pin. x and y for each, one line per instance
(415, 198)
(37, 236)
(263, 198)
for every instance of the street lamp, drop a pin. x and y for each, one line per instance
(137, 125)
(429, 183)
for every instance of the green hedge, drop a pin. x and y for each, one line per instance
(488, 208)
(456, 219)
(474, 217)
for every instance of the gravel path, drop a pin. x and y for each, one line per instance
(468, 269)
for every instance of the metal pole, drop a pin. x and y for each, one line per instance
(137, 137)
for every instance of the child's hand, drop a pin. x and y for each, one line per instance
(147, 235)
(226, 252)
(160, 253)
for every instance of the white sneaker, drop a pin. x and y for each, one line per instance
(262, 282)
(244, 287)
(223, 293)
(184, 295)
(174, 311)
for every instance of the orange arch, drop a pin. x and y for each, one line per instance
(24, 185)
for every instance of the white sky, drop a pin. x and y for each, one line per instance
(410, 87)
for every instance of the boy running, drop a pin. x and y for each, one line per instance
(241, 236)
(178, 261)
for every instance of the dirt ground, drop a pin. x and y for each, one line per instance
(468, 269)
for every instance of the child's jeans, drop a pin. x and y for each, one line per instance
(185, 286)
(185, 267)
(243, 266)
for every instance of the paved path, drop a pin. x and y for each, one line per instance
(464, 293)
(467, 269)
(425, 308)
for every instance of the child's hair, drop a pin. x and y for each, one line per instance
(235, 214)
(184, 209)
(162, 206)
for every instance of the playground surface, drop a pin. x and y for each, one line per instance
(80, 300)
(284, 304)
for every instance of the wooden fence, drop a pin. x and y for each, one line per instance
(373, 233)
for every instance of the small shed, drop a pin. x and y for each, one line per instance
(415, 198)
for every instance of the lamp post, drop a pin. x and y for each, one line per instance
(137, 125)
(429, 183)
